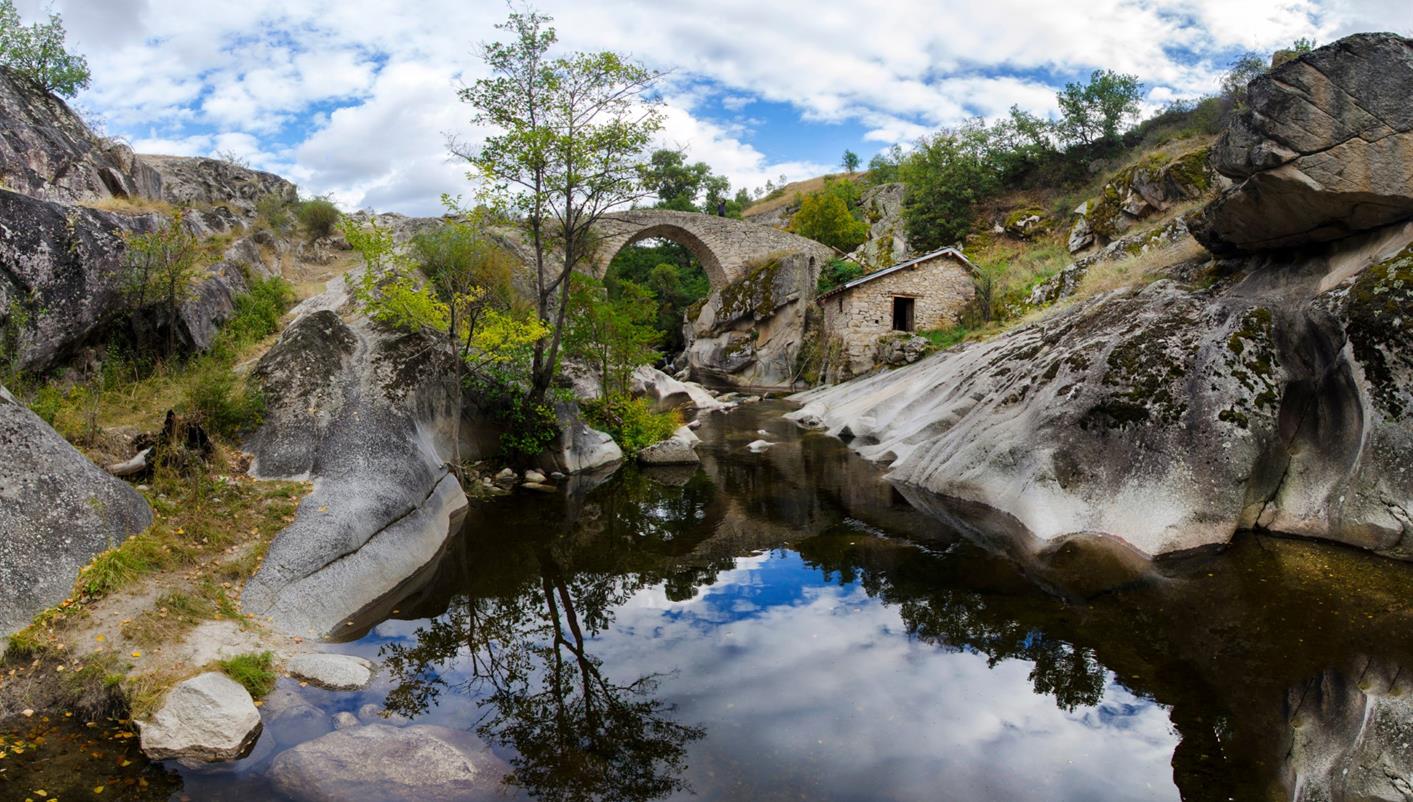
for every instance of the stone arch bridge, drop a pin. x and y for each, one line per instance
(724, 246)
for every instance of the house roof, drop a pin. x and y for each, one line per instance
(864, 279)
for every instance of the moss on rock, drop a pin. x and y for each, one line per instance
(1379, 322)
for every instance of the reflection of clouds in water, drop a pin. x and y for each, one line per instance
(825, 686)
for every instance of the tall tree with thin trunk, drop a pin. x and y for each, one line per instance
(568, 147)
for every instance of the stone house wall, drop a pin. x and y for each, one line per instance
(941, 288)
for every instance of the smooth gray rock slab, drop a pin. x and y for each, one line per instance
(209, 717)
(679, 449)
(378, 761)
(339, 672)
(57, 510)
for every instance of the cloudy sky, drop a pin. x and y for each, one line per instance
(355, 98)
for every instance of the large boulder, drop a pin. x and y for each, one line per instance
(378, 761)
(580, 448)
(57, 510)
(887, 242)
(340, 672)
(1169, 417)
(207, 718)
(46, 150)
(1321, 151)
(1138, 192)
(679, 449)
(372, 418)
(667, 393)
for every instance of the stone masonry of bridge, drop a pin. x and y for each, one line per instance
(723, 245)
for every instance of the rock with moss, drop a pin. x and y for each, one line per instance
(57, 511)
(47, 151)
(749, 333)
(1320, 151)
(1168, 417)
(1138, 192)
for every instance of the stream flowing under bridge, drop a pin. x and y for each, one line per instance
(724, 246)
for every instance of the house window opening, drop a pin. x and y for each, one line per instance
(902, 314)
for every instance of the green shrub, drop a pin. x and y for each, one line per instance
(836, 273)
(275, 213)
(254, 670)
(945, 338)
(317, 217)
(221, 400)
(630, 421)
(257, 313)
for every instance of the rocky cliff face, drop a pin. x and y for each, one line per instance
(750, 333)
(1170, 416)
(57, 510)
(212, 182)
(48, 152)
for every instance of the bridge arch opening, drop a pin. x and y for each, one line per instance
(711, 264)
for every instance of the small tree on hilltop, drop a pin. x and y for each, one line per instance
(850, 161)
(824, 217)
(1096, 111)
(318, 217)
(571, 134)
(37, 53)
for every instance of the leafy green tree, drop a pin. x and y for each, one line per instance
(675, 182)
(159, 268)
(1096, 111)
(824, 217)
(850, 161)
(883, 167)
(1243, 70)
(572, 131)
(37, 53)
(945, 176)
(614, 334)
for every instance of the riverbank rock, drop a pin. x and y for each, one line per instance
(579, 448)
(750, 333)
(378, 761)
(339, 672)
(57, 510)
(209, 717)
(1320, 152)
(373, 419)
(679, 449)
(1169, 417)
(667, 393)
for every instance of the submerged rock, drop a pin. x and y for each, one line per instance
(378, 761)
(339, 672)
(57, 510)
(209, 717)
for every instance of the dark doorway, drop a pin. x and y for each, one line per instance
(902, 314)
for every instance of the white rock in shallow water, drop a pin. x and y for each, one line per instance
(675, 450)
(757, 446)
(344, 719)
(535, 477)
(209, 717)
(339, 672)
(376, 761)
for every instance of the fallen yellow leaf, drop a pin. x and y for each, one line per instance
(136, 653)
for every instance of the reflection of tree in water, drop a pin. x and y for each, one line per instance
(576, 733)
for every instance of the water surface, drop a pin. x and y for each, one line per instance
(789, 626)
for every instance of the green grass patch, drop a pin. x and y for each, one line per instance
(946, 338)
(254, 670)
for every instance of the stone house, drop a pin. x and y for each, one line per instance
(931, 291)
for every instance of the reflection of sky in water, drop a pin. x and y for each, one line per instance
(813, 690)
